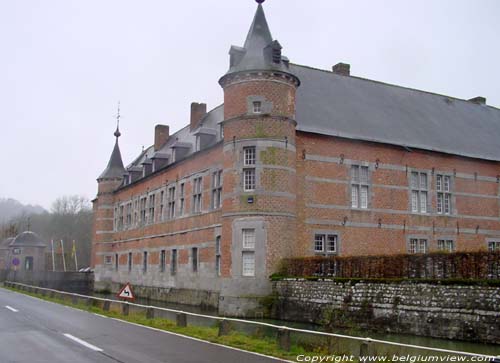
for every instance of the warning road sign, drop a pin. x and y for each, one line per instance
(126, 292)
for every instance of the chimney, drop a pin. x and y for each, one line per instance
(161, 136)
(198, 110)
(479, 100)
(342, 69)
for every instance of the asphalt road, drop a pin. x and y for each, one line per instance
(36, 331)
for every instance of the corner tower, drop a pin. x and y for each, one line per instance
(109, 180)
(259, 208)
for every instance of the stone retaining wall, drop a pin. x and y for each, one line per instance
(443, 311)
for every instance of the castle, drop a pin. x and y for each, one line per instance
(296, 162)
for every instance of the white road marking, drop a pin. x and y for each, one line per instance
(102, 316)
(84, 343)
(11, 309)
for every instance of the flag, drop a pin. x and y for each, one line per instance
(73, 249)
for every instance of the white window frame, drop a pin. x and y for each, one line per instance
(446, 244)
(248, 238)
(444, 194)
(182, 199)
(419, 192)
(323, 242)
(494, 246)
(248, 264)
(171, 202)
(417, 245)
(360, 186)
(163, 260)
(257, 107)
(217, 256)
(217, 181)
(197, 194)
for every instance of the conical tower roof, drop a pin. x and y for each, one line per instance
(115, 168)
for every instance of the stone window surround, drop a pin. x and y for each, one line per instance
(237, 250)
(368, 183)
(419, 237)
(326, 232)
(266, 106)
(428, 190)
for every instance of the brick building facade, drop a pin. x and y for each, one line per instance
(296, 162)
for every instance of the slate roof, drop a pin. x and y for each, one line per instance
(361, 109)
(115, 167)
(27, 239)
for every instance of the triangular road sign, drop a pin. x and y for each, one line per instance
(126, 292)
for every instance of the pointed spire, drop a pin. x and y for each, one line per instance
(260, 52)
(115, 168)
(259, 35)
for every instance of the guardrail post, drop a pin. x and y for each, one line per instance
(106, 305)
(150, 313)
(89, 302)
(366, 349)
(52, 294)
(125, 309)
(181, 319)
(284, 339)
(224, 327)
(74, 300)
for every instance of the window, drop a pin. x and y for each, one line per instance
(248, 262)
(162, 261)
(359, 186)
(217, 189)
(194, 259)
(116, 261)
(325, 243)
(257, 107)
(142, 220)
(116, 219)
(248, 238)
(145, 262)
(217, 256)
(120, 218)
(171, 202)
(221, 130)
(173, 263)
(249, 155)
(162, 196)
(135, 212)
(443, 187)
(151, 212)
(494, 246)
(447, 245)
(129, 215)
(197, 191)
(417, 245)
(129, 261)
(28, 263)
(108, 260)
(418, 184)
(181, 200)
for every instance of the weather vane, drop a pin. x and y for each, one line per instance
(117, 132)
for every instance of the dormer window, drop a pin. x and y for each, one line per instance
(257, 107)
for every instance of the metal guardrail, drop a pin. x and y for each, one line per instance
(365, 347)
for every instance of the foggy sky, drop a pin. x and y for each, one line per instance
(64, 65)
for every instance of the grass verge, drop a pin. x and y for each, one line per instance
(250, 342)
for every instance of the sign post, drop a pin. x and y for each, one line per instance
(126, 293)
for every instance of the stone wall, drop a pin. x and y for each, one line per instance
(460, 312)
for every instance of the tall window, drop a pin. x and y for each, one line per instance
(447, 245)
(173, 262)
(419, 192)
(217, 256)
(116, 216)
(129, 261)
(494, 246)
(120, 218)
(136, 204)
(171, 202)
(217, 189)
(143, 211)
(197, 191)
(151, 211)
(257, 107)
(162, 200)
(194, 259)
(443, 187)
(129, 215)
(145, 262)
(182, 199)
(248, 254)
(249, 157)
(359, 186)
(116, 261)
(418, 245)
(325, 243)
(162, 260)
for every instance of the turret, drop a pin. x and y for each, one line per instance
(259, 216)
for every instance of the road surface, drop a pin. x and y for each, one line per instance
(36, 331)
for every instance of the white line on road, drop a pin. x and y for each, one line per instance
(84, 343)
(11, 309)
